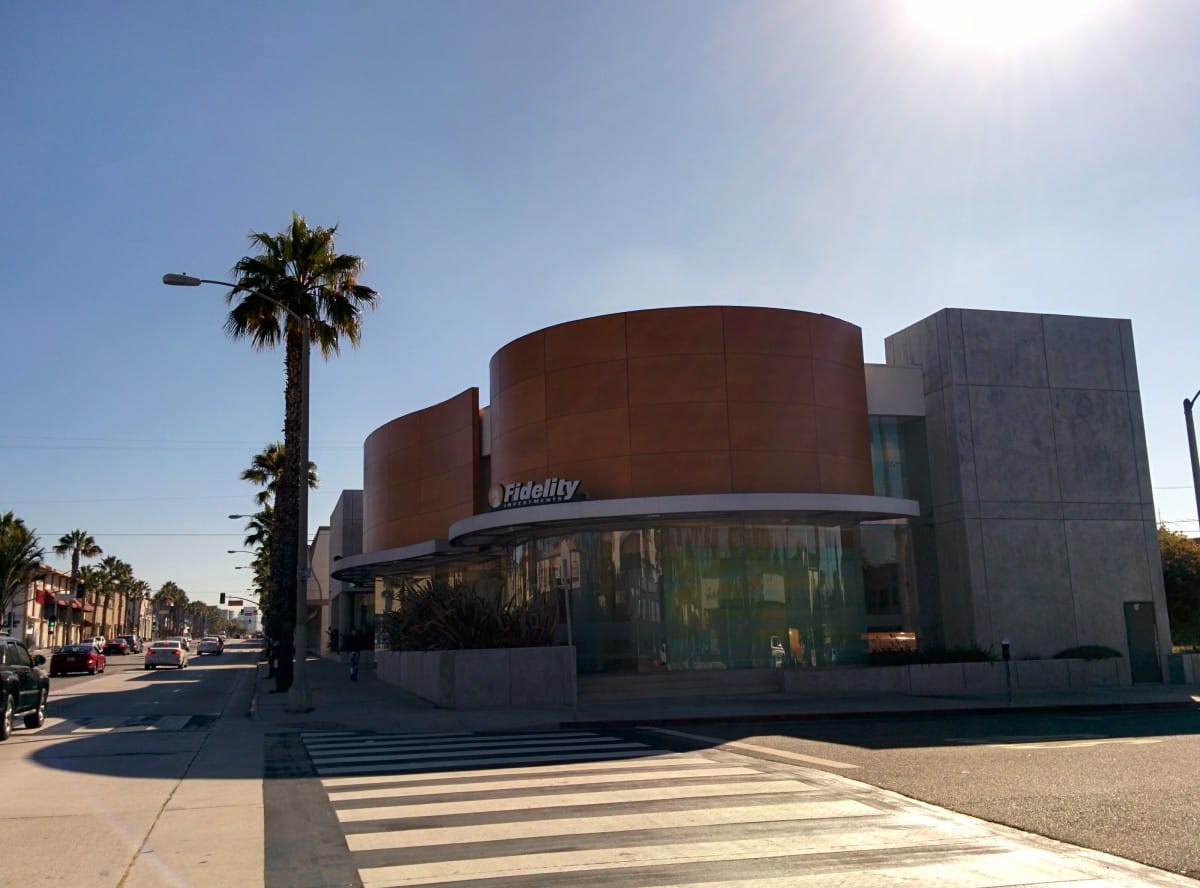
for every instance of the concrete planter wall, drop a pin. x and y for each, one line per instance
(1184, 668)
(503, 677)
(958, 678)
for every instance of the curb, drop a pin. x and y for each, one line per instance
(747, 718)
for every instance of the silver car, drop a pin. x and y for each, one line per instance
(166, 653)
(210, 644)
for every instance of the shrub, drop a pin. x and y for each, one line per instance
(1087, 652)
(930, 655)
(436, 615)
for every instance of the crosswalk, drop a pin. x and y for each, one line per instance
(567, 808)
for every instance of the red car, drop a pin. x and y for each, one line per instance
(78, 658)
(116, 646)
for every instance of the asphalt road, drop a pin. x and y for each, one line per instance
(86, 791)
(1120, 782)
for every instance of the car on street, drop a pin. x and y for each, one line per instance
(183, 640)
(78, 658)
(135, 643)
(116, 646)
(210, 644)
(24, 687)
(166, 653)
(97, 640)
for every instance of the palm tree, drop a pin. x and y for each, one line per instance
(172, 597)
(266, 469)
(299, 269)
(115, 578)
(137, 592)
(20, 559)
(90, 580)
(80, 544)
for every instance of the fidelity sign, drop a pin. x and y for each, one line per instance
(531, 493)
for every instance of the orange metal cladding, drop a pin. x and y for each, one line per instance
(661, 402)
(685, 401)
(421, 473)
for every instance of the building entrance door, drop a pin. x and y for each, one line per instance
(1142, 635)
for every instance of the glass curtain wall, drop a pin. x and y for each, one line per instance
(702, 596)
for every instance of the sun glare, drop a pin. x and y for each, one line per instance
(1003, 26)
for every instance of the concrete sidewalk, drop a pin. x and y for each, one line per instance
(370, 705)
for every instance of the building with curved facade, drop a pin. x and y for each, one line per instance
(733, 487)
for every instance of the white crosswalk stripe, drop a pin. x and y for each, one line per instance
(574, 808)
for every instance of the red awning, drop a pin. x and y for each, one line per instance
(42, 595)
(75, 605)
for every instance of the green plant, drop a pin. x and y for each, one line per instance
(436, 615)
(1087, 652)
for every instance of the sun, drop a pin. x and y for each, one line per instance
(1004, 26)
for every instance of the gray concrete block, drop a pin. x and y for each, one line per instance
(481, 679)
(1129, 356)
(1028, 590)
(937, 678)
(542, 676)
(1093, 437)
(1084, 353)
(1041, 511)
(1013, 435)
(1032, 675)
(1003, 348)
(1094, 673)
(984, 677)
(1108, 568)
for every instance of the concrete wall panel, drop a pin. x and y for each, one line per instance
(1003, 349)
(1029, 587)
(1093, 434)
(1013, 439)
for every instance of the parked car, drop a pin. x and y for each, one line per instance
(78, 658)
(116, 646)
(135, 643)
(166, 653)
(98, 641)
(209, 644)
(24, 687)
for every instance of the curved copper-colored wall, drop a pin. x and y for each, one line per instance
(421, 473)
(685, 401)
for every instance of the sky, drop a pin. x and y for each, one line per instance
(506, 165)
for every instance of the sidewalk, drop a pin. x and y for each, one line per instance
(370, 705)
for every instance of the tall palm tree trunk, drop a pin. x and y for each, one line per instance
(284, 537)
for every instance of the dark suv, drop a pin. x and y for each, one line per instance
(23, 686)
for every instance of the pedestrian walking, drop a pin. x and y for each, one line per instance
(354, 665)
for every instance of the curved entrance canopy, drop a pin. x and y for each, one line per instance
(474, 538)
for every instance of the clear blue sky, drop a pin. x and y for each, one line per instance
(509, 165)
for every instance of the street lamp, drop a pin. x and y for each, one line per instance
(1191, 432)
(299, 696)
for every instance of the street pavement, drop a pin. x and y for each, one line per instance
(421, 795)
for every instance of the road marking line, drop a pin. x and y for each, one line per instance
(564, 780)
(573, 800)
(754, 747)
(606, 825)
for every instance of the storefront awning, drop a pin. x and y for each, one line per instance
(492, 528)
(478, 537)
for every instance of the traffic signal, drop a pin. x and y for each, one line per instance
(53, 621)
(222, 598)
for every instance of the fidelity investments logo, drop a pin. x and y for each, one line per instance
(531, 493)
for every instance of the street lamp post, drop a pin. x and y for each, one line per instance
(299, 695)
(1191, 433)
